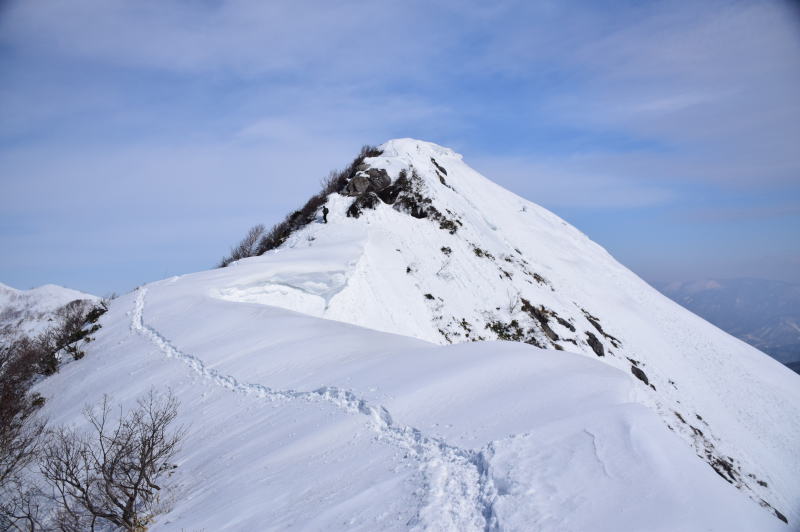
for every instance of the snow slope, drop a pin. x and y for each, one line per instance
(761, 312)
(296, 422)
(29, 312)
(322, 392)
(512, 269)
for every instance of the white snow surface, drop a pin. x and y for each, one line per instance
(726, 399)
(301, 423)
(29, 312)
(322, 393)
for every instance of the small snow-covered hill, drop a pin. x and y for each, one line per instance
(29, 312)
(349, 379)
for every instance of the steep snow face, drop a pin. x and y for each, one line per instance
(296, 422)
(447, 256)
(29, 312)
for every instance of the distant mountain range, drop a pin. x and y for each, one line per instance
(763, 313)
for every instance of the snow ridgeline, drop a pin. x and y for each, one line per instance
(443, 254)
(460, 491)
(493, 434)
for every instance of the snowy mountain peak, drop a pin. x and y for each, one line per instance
(428, 159)
(413, 148)
(419, 244)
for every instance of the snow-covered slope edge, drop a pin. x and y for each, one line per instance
(764, 313)
(452, 257)
(29, 312)
(301, 423)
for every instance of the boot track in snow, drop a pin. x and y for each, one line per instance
(461, 491)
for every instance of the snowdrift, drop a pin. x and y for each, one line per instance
(302, 423)
(351, 379)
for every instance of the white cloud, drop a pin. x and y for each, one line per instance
(124, 105)
(717, 88)
(246, 37)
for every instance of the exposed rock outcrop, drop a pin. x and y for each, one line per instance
(367, 180)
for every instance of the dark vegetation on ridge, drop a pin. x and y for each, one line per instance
(24, 357)
(259, 240)
(107, 476)
(23, 361)
(369, 187)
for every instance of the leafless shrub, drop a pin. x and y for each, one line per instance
(22, 433)
(442, 271)
(71, 318)
(20, 436)
(19, 443)
(514, 303)
(335, 182)
(112, 473)
(330, 183)
(22, 358)
(277, 235)
(21, 506)
(247, 247)
(18, 433)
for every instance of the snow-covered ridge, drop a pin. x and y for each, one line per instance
(333, 383)
(28, 312)
(451, 257)
(301, 423)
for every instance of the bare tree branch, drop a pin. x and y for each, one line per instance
(110, 474)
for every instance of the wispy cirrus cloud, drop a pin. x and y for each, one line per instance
(231, 111)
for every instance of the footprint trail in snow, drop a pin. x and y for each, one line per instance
(460, 490)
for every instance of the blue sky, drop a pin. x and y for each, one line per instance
(140, 139)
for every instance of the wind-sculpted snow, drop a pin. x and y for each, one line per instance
(460, 491)
(346, 380)
(464, 260)
(300, 423)
(309, 293)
